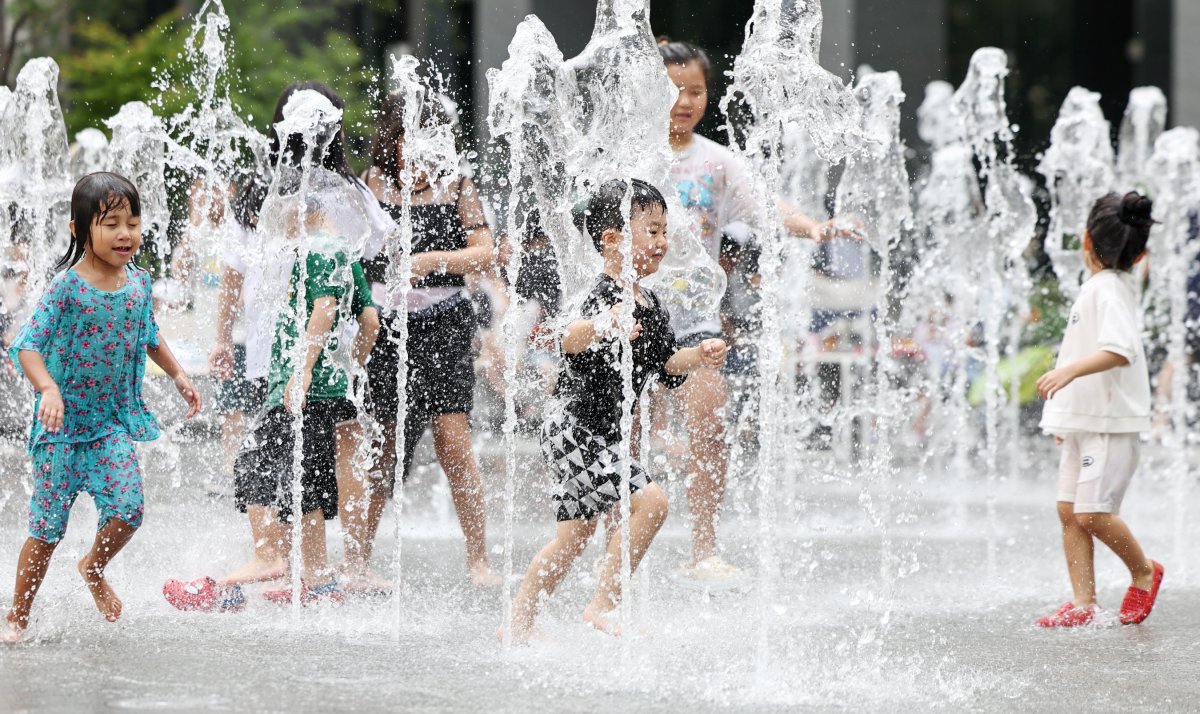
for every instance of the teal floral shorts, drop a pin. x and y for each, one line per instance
(106, 468)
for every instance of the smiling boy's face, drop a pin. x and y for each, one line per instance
(116, 234)
(649, 228)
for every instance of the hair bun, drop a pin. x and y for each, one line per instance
(663, 40)
(1136, 210)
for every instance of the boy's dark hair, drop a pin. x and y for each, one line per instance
(1120, 227)
(605, 208)
(287, 153)
(682, 53)
(93, 198)
(389, 131)
(290, 150)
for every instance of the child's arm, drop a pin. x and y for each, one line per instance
(368, 332)
(1052, 382)
(164, 358)
(228, 296)
(708, 354)
(582, 334)
(50, 410)
(316, 333)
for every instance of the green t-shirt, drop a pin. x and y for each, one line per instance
(326, 276)
(362, 291)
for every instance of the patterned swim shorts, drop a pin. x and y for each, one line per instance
(106, 468)
(587, 468)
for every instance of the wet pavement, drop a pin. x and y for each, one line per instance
(931, 626)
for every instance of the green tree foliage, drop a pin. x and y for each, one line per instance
(270, 47)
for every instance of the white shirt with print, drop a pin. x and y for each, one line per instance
(1105, 316)
(714, 186)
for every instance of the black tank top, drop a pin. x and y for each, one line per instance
(436, 226)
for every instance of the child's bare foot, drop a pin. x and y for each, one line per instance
(256, 570)
(599, 619)
(482, 576)
(11, 632)
(106, 598)
(522, 634)
(363, 582)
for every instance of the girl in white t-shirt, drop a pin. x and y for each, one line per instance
(1097, 403)
(715, 188)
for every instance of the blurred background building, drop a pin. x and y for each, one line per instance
(111, 49)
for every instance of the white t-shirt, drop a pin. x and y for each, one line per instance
(1117, 401)
(715, 188)
(259, 321)
(258, 311)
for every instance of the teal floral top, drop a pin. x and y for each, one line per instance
(94, 345)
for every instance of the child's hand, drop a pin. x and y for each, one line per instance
(608, 324)
(422, 265)
(713, 353)
(306, 382)
(220, 362)
(188, 391)
(1052, 382)
(50, 410)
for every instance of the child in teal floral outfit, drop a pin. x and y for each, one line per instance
(83, 349)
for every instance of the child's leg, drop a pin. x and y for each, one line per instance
(1113, 458)
(116, 487)
(31, 571)
(547, 570)
(111, 538)
(271, 539)
(647, 513)
(704, 409)
(1112, 532)
(1078, 548)
(314, 560)
(452, 441)
(354, 497)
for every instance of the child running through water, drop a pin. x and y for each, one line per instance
(581, 437)
(83, 350)
(1097, 402)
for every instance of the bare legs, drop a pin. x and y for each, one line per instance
(647, 513)
(1078, 531)
(360, 504)
(452, 442)
(31, 571)
(704, 395)
(34, 561)
(271, 540)
(109, 541)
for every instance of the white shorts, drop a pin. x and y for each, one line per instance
(1096, 469)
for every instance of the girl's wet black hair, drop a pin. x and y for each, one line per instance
(1119, 227)
(682, 53)
(605, 207)
(291, 150)
(93, 198)
(389, 131)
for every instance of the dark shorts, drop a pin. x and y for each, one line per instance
(238, 394)
(441, 370)
(586, 468)
(263, 468)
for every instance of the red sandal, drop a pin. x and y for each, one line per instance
(1138, 603)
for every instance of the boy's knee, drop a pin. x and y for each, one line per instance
(654, 501)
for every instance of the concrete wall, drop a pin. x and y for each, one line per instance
(1184, 94)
